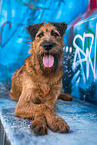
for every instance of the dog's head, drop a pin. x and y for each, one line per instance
(48, 44)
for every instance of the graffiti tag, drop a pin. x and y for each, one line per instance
(85, 56)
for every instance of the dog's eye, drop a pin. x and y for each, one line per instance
(40, 35)
(54, 33)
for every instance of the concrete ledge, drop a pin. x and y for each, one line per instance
(81, 116)
(3, 138)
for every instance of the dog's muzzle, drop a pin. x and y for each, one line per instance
(48, 45)
(48, 59)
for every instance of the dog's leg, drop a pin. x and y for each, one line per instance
(65, 97)
(43, 114)
(27, 109)
(54, 122)
(30, 110)
(12, 96)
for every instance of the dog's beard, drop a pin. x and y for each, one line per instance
(49, 60)
(46, 66)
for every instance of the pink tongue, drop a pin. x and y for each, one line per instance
(48, 60)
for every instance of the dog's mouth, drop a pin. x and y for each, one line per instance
(48, 60)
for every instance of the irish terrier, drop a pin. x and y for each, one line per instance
(38, 83)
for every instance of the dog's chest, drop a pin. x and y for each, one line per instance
(43, 89)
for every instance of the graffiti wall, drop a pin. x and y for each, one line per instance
(80, 60)
(80, 57)
(16, 15)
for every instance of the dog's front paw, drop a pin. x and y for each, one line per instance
(59, 125)
(38, 127)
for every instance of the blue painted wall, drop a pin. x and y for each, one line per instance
(80, 60)
(16, 15)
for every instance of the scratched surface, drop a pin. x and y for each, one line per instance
(81, 116)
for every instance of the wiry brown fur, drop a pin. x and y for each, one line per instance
(37, 88)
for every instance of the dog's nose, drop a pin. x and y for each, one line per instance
(48, 45)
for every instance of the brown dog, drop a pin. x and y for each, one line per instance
(38, 83)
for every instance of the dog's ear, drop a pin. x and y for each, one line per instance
(33, 29)
(61, 27)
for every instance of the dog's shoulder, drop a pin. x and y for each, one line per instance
(29, 64)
